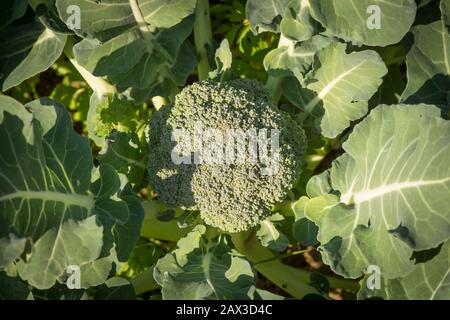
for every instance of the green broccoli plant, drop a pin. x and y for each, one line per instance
(231, 196)
(203, 168)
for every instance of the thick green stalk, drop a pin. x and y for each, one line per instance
(144, 28)
(100, 86)
(202, 37)
(292, 280)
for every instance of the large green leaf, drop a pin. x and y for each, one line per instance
(140, 60)
(26, 51)
(265, 15)
(45, 171)
(297, 22)
(106, 19)
(294, 57)
(342, 85)
(138, 45)
(169, 78)
(303, 229)
(48, 193)
(428, 281)
(270, 236)
(70, 244)
(349, 19)
(223, 58)
(428, 62)
(388, 195)
(127, 155)
(202, 268)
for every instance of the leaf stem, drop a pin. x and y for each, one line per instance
(286, 255)
(203, 38)
(98, 85)
(144, 28)
(292, 280)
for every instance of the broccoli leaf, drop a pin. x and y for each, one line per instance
(201, 268)
(142, 59)
(303, 229)
(48, 193)
(128, 155)
(223, 59)
(26, 51)
(428, 61)
(427, 281)
(114, 113)
(343, 83)
(294, 58)
(106, 19)
(265, 15)
(368, 22)
(49, 171)
(269, 235)
(297, 22)
(388, 195)
(71, 243)
(349, 19)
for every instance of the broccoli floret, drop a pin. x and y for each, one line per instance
(230, 196)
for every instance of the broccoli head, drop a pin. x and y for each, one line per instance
(230, 195)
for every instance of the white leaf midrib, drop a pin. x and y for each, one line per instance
(144, 28)
(326, 89)
(70, 199)
(336, 80)
(367, 195)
